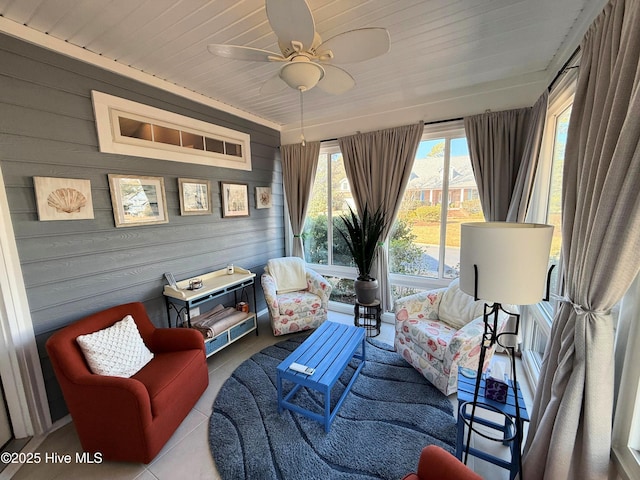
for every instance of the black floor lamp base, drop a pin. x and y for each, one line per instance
(490, 338)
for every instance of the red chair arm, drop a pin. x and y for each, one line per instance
(174, 339)
(438, 464)
(94, 380)
(111, 397)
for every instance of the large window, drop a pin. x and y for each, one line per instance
(330, 198)
(424, 250)
(547, 208)
(537, 319)
(424, 246)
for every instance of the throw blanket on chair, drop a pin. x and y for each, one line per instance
(289, 274)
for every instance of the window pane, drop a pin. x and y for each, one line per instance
(170, 136)
(414, 248)
(538, 345)
(191, 140)
(330, 198)
(463, 204)
(341, 201)
(134, 128)
(555, 194)
(315, 228)
(233, 149)
(342, 290)
(401, 292)
(213, 145)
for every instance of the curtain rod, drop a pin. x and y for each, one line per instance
(565, 68)
(435, 122)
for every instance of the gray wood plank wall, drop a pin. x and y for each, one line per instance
(73, 268)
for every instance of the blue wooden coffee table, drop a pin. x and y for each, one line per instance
(329, 350)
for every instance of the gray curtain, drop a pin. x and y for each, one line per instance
(570, 432)
(299, 166)
(378, 165)
(504, 148)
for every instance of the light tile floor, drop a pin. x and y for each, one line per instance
(187, 454)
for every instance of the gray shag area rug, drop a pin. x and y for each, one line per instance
(389, 415)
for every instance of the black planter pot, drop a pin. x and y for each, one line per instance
(366, 290)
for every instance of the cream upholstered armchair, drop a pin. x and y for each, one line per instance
(297, 297)
(439, 331)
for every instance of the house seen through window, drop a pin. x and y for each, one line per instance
(441, 194)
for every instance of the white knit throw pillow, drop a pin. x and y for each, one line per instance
(116, 351)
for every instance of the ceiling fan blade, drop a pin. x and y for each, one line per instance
(335, 80)
(274, 85)
(291, 20)
(357, 45)
(242, 53)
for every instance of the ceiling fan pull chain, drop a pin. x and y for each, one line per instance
(302, 139)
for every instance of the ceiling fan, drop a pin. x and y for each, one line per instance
(307, 60)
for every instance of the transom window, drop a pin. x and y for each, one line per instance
(131, 128)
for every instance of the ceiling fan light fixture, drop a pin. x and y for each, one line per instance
(302, 75)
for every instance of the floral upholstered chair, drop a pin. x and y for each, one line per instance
(297, 297)
(439, 331)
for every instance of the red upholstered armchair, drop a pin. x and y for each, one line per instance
(130, 419)
(437, 464)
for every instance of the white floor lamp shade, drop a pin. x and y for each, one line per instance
(511, 260)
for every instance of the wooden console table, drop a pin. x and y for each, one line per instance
(182, 300)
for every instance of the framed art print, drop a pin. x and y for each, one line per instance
(235, 199)
(263, 197)
(195, 196)
(138, 200)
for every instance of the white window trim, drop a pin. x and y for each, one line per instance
(20, 367)
(108, 108)
(559, 99)
(626, 425)
(540, 316)
(329, 149)
(533, 316)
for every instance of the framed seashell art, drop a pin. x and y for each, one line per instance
(63, 198)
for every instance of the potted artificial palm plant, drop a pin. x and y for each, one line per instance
(362, 234)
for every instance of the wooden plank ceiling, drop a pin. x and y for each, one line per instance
(437, 46)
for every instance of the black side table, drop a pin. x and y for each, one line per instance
(368, 315)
